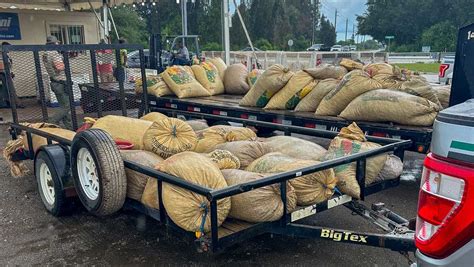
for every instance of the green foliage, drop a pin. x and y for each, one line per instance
(327, 33)
(263, 44)
(130, 25)
(421, 67)
(368, 45)
(441, 37)
(211, 46)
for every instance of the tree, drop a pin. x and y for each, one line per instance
(327, 33)
(263, 44)
(441, 37)
(130, 25)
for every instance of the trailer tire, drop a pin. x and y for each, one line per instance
(98, 172)
(50, 185)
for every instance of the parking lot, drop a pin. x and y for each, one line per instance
(29, 235)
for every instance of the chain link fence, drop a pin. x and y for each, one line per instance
(62, 84)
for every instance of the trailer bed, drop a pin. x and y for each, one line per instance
(228, 106)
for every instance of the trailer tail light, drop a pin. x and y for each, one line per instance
(442, 69)
(445, 220)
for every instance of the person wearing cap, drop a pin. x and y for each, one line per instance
(53, 62)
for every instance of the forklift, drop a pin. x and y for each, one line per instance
(163, 50)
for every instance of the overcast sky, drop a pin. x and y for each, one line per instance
(346, 9)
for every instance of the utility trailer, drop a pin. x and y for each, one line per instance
(90, 166)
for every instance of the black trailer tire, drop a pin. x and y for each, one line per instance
(50, 186)
(98, 172)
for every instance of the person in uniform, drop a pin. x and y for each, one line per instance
(182, 57)
(53, 62)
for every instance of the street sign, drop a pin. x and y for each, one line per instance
(390, 37)
(290, 43)
(426, 49)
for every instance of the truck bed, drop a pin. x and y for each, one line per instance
(228, 106)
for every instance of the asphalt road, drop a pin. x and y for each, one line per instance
(29, 235)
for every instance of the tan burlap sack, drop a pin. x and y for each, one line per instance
(295, 147)
(198, 125)
(150, 194)
(270, 82)
(208, 76)
(189, 70)
(235, 81)
(220, 65)
(392, 169)
(291, 94)
(352, 85)
(188, 209)
(385, 105)
(124, 128)
(443, 93)
(350, 64)
(246, 151)
(351, 140)
(419, 86)
(182, 83)
(388, 81)
(209, 138)
(320, 90)
(253, 76)
(379, 68)
(154, 116)
(259, 205)
(39, 141)
(310, 189)
(224, 159)
(155, 86)
(326, 71)
(168, 137)
(137, 181)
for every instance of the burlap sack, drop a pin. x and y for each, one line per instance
(350, 64)
(124, 128)
(154, 116)
(270, 82)
(198, 125)
(224, 159)
(39, 141)
(182, 83)
(419, 86)
(208, 76)
(209, 138)
(392, 169)
(235, 81)
(320, 90)
(188, 209)
(385, 105)
(291, 94)
(310, 189)
(295, 147)
(137, 181)
(220, 65)
(155, 86)
(443, 93)
(253, 76)
(150, 194)
(388, 81)
(352, 85)
(168, 137)
(326, 71)
(259, 205)
(246, 151)
(351, 140)
(379, 68)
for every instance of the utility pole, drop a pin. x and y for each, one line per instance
(353, 32)
(335, 23)
(347, 22)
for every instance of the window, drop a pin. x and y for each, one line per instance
(68, 34)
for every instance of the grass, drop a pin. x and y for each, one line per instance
(420, 67)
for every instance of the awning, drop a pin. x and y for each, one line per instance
(60, 4)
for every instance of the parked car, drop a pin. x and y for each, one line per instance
(353, 47)
(315, 47)
(446, 68)
(336, 48)
(133, 58)
(346, 48)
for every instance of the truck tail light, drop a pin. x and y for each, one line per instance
(442, 69)
(445, 220)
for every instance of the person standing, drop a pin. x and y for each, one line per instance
(53, 62)
(182, 57)
(105, 58)
(119, 72)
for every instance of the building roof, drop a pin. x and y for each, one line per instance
(59, 5)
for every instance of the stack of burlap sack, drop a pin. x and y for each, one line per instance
(211, 77)
(375, 92)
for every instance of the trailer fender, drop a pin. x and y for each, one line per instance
(60, 157)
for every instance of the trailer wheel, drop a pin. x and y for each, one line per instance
(98, 172)
(50, 186)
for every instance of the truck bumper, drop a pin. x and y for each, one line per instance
(462, 257)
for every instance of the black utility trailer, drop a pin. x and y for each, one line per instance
(92, 161)
(227, 106)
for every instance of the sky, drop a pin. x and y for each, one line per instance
(346, 9)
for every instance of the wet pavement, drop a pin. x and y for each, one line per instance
(29, 235)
